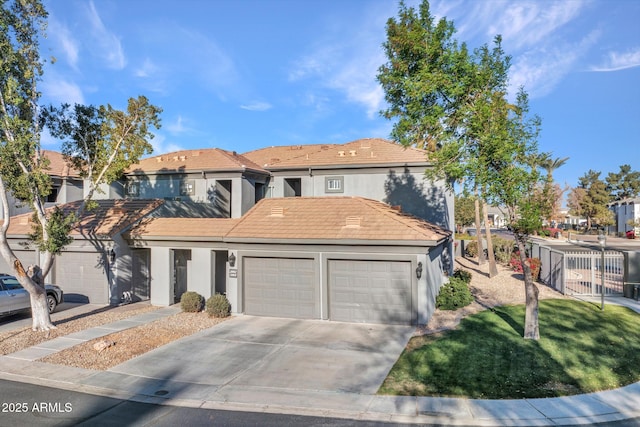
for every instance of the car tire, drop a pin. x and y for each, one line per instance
(52, 303)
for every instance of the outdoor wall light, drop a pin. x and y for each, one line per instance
(112, 256)
(419, 271)
(232, 260)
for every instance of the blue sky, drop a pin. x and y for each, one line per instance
(245, 74)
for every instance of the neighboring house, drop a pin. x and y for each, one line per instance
(624, 211)
(496, 217)
(98, 266)
(339, 258)
(66, 186)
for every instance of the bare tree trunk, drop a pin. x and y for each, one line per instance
(481, 258)
(493, 269)
(531, 328)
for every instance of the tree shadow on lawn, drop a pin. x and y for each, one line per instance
(486, 357)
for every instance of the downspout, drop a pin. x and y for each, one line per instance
(313, 186)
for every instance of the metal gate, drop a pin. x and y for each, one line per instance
(583, 273)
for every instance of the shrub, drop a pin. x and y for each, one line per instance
(218, 306)
(535, 263)
(463, 275)
(454, 295)
(502, 248)
(472, 249)
(191, 302)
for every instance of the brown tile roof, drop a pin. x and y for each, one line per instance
(58, 166)
(322, 218)
(108, 219)
(208, 228)
(368, 151)
(210, 159)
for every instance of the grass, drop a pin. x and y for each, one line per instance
(581, 350)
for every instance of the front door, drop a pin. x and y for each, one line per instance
(181, 257)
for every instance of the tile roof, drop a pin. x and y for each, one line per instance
(208, 228)
(209, 159)
(58, 166)
(311, 218)
(367, 151)
(109, 218)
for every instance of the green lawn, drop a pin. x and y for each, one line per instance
(580, 350)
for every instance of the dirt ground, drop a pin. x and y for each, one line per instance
(504, 289)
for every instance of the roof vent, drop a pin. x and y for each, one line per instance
(324, 147)
(160, 159)
(277, 211)
(183, 158)
(353, 221)
(352, 153)
(341, 153)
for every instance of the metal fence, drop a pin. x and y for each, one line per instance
(580, 273)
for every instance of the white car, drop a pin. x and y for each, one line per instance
(14, 298)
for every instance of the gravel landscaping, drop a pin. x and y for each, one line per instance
(506, 288)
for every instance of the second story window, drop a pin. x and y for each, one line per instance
(133, 189)
(188, 187)
(334, 184)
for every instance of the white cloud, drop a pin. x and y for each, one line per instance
(178, 126)
(147, 69)
(161, 146)
(348, 62)
(67, 42)
(257, 106)
(539, 71)
(108, 44)
(620, 61)
(57, 90)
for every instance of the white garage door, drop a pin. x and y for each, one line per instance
(370, 291)
(82, 277)
(281, 287)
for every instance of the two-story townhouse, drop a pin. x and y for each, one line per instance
(66, 185)
(195, 183)
(374, 168)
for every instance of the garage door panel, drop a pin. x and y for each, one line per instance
(370, 291)
(82, 277)
(281, 287)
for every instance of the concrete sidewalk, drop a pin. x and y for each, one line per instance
(167, 385)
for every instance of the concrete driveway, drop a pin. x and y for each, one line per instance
(259, 354)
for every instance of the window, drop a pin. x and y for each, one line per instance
(334, 184)
(11, 284)
(53, 196)
(292, 187)
(133, 189)
(188, 187)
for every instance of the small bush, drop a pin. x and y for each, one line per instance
(218, 306)
(454, 295)
(463, 275)
(502, 249)
(472, 249)
(516, 264)
(191, 302)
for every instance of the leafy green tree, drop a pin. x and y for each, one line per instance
(454, 104)
(431, 84)
(464, 210)
(623, 185)
(511, 176)
(113, 140)
(590, 200)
